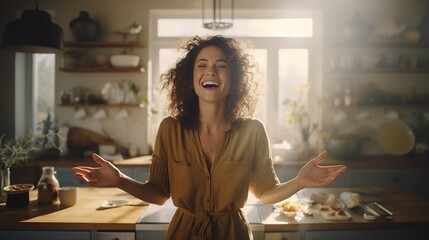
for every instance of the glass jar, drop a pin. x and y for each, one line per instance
(47, 187)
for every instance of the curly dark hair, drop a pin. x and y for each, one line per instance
(243, 96)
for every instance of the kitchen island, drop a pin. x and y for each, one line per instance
(87, 220)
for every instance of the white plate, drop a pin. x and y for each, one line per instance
(334, 216)
(113, 203)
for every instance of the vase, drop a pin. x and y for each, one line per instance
(84, 28)
(5, 181)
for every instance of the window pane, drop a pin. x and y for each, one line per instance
(44, 85)
(292, 91)
(282, 27)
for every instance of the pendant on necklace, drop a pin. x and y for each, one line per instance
(207, 149)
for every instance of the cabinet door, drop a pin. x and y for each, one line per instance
(284, 236)
(414, 180)
(141, 174)
(102, 235)
(45, 235)
(391, 234)
(65, 177)
(285, 173)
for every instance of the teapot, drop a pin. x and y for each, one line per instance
(387, 28)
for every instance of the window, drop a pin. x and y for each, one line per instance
(286, 46)
(43, 86)
(34, 91)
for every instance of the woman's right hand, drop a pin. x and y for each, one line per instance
(107, 175)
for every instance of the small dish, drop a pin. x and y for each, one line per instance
(340, 215)
(113, 203)
(18, 195)
(289, 209)
(18, 188)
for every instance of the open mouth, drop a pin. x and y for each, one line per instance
(210, 84)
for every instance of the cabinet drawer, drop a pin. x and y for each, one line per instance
(116, 236)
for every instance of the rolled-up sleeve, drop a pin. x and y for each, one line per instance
(159, 167)
(263, 176)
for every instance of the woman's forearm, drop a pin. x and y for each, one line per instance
(147, 192)
(280, 191)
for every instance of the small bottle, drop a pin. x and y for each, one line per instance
(47, 187)
(337, 99)
(347, 97)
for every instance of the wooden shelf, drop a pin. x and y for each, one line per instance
(103, 105)
(104, 69)
(381, 70)
(379, 45)
(103, 44)
(395, 106)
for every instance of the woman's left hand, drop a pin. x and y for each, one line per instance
(314, 175)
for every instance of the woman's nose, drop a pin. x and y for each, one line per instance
(210, 73)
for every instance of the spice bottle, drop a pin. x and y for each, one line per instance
(47, 187)
(347, 97)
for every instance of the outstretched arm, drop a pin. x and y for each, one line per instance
(107, 175)
(311, 175)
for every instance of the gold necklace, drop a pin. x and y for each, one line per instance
(205, 148)
(210, 150)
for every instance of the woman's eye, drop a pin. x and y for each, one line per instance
(201, 65)
(222, 66)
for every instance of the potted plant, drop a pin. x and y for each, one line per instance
(45, 139)
(13, 152)
(16, 151)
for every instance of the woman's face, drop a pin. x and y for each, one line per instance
(212, 75)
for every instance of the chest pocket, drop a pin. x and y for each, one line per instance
(181, 180)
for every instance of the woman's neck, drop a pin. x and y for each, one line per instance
(212, 118)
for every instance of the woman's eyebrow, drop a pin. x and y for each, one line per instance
(205, 59)
(201, 59)
(222, 60)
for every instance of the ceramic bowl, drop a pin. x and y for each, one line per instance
(18, 195)
(124, 60)
(412, 36)
(395, 137)
(344, 148)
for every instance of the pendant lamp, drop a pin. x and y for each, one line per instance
(34, 32)
(218, 14)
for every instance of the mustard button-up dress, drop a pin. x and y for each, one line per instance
(209, 201)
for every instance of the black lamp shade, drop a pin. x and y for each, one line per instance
(33, 33)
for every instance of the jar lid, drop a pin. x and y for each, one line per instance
(48, 169)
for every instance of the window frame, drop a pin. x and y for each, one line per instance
(271, 44)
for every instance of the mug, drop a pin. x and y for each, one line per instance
(68, 196)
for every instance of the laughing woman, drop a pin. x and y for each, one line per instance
(210, 152)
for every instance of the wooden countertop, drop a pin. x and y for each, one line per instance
(410, 211)
(85, 215)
